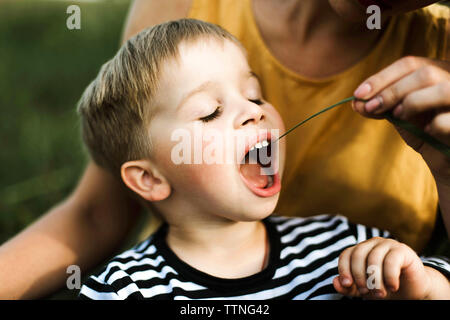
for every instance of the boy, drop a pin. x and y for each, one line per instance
(218, 240)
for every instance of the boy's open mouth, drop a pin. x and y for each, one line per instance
(258, 169)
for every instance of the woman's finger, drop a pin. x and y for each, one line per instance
(439, 127)
(399, 69)
(391, 96)
(431, 98)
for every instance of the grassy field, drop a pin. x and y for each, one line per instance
(44, 69)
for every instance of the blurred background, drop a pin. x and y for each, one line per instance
(44, 68)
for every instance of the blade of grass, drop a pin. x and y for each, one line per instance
(316, 114)
(432, 141)
(438, 145)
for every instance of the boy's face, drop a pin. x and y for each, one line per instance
(208, 113)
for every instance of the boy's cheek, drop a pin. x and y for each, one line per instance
(279, 123)
(190, 163)
(203, 175)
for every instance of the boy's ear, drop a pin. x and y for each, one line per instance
(144, 179)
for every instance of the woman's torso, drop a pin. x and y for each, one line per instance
(341, 162)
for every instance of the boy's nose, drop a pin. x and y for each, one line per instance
(251, 114)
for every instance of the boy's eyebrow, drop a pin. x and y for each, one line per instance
(205, 85)
(200, 88)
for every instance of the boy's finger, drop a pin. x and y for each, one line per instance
(394, 94)
(392, 265)
(399, 69)
(358, 265)
(346, 291)
(345, 275)
(375, 261)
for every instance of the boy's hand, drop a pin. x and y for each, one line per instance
(382, 268)
(417, 90)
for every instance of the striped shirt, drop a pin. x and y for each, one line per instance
(303, 261)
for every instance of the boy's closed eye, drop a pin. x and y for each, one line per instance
(219, 111)
(257, 101)
(213, 115)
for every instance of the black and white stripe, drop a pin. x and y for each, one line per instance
(302, 264)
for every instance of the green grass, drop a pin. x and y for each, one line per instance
(43, 71)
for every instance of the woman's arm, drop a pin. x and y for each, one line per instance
(88, 226)
(443, 188)
(416, 89)
(82, 230)
(146, 13)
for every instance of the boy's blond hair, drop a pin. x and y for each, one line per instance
(115, 108)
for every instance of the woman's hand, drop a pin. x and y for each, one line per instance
(395, 272)
(416, 90)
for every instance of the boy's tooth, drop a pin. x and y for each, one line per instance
(261, 144)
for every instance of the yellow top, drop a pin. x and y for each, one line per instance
(341, 162)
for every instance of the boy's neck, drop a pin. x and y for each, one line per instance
(224, 249)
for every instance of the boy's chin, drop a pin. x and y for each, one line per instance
(255, 212)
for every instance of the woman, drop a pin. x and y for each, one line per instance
(308, 55)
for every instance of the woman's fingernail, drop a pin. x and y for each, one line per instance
(397, 113)
(363, 90)
(373, 105)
